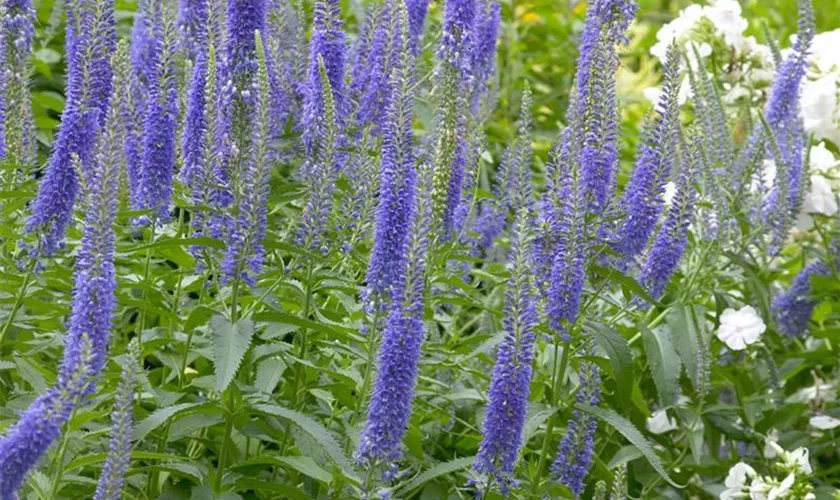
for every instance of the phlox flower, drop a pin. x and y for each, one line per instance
(740, 328)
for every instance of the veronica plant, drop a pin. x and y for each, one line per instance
(397, 187)
(111, 481)
(17, 134)
(90, 43)
(91, 314)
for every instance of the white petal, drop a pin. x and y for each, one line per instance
(824, 422)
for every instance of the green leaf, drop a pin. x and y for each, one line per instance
(318, 432)
(687, 325)
(438, 470)
(620, 356)
(665, 365)
(629, 431)
(159, 416)
(308, 467)
(99, 458)
(230, 341)
(289, 319)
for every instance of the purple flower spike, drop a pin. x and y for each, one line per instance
(483, 51)
(244, 256)
(642, 201)
(111, 480)
(565, 226)
(793, 308)
(244, 18)
(417, 10)
(159, 142)
(192, 26)
(574, 456)
(669, 244)
(396, 190)
(90, 42)
(17, 141)
(328, 43)
(510, 384)
(399, 355)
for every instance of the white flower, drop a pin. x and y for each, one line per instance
(771, 446)
(724, 15)
(820, 391)
(736, 480)
(738, 475)
(820, 107)
(759, 489)
(822, 160)
(782, 490)
(740, 328)
(824, 54)
(824, 422)
(660, 423)
(798, 459)
(820, 199)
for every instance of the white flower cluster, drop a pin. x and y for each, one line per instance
(750, 64)
(717, 30)
(743, 481)
(821, 92)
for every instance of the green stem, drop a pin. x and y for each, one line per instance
(18, 302)
(371, 347)
(302, 353)
(141, 322)
(58, 463)
(223, 453)
(557, 373)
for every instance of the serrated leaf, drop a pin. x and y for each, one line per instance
(318, 432)
(687, 326)
(620, 356)
(230, 343)
(665, 365)
(629, 431)
(438, 470)
(269, 373)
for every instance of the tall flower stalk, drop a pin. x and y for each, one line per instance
(672, 239)
(328, 47)
(157, 166)
(450, 150)
(91, 311)
(110, 484)
(510, 383)
(244, 256)
(577, 448)
(91, 39)
(19, 144)
(396, 184)
(642, 201)
(399, 354)
(512, 175)
(793, 308)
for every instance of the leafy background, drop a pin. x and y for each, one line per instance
(296, 414)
